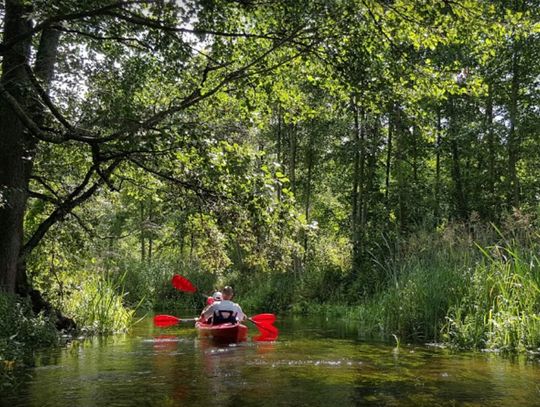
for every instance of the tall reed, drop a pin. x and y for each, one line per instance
(97, 306)
(501, 309)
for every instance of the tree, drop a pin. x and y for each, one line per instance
(125, 107)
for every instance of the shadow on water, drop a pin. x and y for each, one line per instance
(314, 363)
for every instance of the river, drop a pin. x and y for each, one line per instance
(313, 363)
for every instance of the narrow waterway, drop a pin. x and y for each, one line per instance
(313, 363)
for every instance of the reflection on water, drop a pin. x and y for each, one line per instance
(314, 363)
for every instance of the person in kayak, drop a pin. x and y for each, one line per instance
(223, 311)
(217, 296)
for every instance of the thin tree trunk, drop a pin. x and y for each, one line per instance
(150, 237)
(142, 232)
(358, 185)
(389, 156)
(401, 176)
(191, 244)
(310, 162)
(490, 142)
(293, 147)
(461, 201)
(513, 139)
(437, 209)
(415, 137)
(279, 142)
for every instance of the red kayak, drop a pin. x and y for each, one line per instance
(223, 332)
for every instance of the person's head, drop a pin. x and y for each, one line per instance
(228, 292)
(217, 296)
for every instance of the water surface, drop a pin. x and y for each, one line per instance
(313, 363)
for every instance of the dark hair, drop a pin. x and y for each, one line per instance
(227, 290)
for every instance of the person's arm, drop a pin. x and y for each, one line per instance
(240, 316)
(207, 312)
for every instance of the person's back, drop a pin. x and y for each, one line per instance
(225, 310)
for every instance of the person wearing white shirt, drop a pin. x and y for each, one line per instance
(225, 310)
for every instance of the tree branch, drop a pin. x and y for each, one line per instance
(77, 197)
(69, 17)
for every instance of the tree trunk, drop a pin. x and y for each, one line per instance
(461, 201)
(310, 161)
(293, 144)
(141, 231)
(16, 146)
(358, 185)
(401, 176)
(490, 142)
(513, 140)
(389, 157)
(150, 235)
(279, 142)
(437, 209)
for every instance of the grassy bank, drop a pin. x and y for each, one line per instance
(445, 287)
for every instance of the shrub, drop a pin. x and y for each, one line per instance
(21, 334)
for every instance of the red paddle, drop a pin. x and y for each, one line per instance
(267, 332)
(164, 321)
(264, 318)
(263, 322)
(183, 284)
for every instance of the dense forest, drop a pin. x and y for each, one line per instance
(367, 159)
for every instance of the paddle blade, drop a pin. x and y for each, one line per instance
(267, 331)
(183, 284)
(164, 321)
(264, 318)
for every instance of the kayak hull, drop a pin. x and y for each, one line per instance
(228, 333)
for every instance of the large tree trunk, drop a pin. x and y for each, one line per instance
(16, 145)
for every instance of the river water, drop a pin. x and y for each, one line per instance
(313, 363)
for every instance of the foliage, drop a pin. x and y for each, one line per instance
(21, 334)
